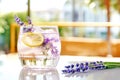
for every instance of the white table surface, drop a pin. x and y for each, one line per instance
(11, 69)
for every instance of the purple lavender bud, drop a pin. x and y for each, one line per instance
(67, 66)
(86, 67)
(77, 65)
(29, 20)
(97, 67)
(21, 23)
(101, 67)
(46, 40)
(86, 63)
(83, 70)
(72, 66)
(24, 30)
(94, 63)
(101, 62)
(104, 67)
(81, 65)
(27, 29)
(68, 71)
(92, 68)
(72, 71)
(64, 71)
(17, 19)
(30, 29)
(77, 69)
(54, 51)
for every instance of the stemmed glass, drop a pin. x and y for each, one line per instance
(38, 46)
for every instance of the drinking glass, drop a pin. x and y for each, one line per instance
(39, 46)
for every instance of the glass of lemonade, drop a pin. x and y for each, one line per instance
(39, 46)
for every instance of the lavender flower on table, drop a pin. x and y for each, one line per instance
(89, 66)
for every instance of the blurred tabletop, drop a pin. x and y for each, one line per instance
(11, 69)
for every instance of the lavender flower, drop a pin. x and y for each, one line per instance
(28, 28)
(18, 21)
(54, 51)
(46, 41)
(48, 46)
(89, 66)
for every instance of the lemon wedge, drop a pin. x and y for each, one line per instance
(32, 39)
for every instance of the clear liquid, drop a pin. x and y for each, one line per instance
(41, 62)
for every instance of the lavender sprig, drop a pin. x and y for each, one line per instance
(89, 66)
(28, 28)
(18, 21)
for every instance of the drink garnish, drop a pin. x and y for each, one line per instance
(32, 39)
(18, 21)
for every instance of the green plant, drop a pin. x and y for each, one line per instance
(5, 22)
(4, 34)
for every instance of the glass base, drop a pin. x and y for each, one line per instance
(39, 62)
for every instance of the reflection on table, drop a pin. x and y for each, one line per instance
(38, 74)
(112, 74)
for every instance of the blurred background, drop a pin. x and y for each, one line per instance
(64, 11)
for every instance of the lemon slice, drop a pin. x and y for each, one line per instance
(32, 39)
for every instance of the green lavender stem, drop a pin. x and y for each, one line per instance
(110, 65)
(44, 62)
(45, 53)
